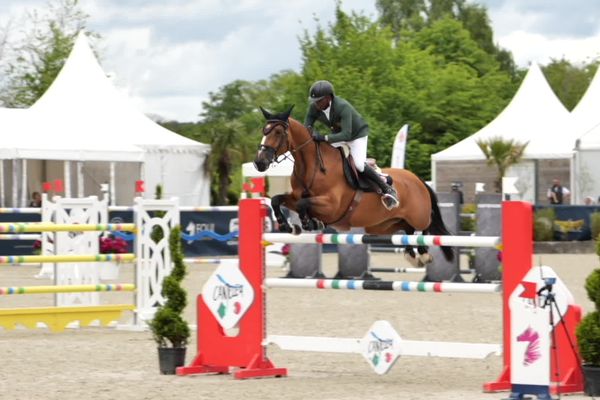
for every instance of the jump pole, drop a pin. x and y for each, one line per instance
(218, 353)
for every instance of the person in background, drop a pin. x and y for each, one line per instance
(588, 201)
(36, 200)
(558, 194)
(456, 186)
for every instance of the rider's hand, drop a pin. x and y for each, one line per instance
(317, 137)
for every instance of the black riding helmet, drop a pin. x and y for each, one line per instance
(320, 89)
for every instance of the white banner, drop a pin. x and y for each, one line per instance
(399, 147)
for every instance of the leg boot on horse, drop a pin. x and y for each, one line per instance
(389, 196)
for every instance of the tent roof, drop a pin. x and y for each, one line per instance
(586, 116)
(534, 115)
(82, 102)
(30, 137)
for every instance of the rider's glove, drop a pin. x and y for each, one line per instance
(317, 137)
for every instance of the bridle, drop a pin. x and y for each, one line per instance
(272, 151)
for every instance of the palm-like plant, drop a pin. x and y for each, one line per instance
(502, 153)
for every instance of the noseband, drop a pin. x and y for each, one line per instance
(272, 151)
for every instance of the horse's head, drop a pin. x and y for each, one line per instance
(275, 139)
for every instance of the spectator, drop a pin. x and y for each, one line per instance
(588, 201)
(36, 200)
(558, 194)
(456, 186)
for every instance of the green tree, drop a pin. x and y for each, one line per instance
(42, 52)
(416, 15)
(501, 153)
(569, 81)
(231, 124)
(438, 80)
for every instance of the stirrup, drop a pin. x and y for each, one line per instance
(390, 202)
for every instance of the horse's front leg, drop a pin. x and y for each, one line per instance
(289, 202)
(311, 207)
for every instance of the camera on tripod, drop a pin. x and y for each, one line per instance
(546, 290)
(549, 283)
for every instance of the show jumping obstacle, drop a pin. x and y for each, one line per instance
(240, 297)
(118, 287)
(57, 318)
(400, 286)
(70, 247)
(45, 227)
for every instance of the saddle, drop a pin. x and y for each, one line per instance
(353, 178)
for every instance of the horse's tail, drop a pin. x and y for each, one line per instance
(437, 226)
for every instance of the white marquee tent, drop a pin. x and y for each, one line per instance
(82, 118)
(586, 120)
(534, 115)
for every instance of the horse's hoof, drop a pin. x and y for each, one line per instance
(285, 228)
(412, 260)
(296, 230)
(317, 225)
(425, 259)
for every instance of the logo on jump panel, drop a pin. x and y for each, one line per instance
(228, 294)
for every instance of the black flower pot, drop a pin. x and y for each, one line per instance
(592, 380)
(169, 358)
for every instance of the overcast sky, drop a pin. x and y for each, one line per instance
(167, 55)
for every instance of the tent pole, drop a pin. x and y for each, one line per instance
(80, 188)
(434, 174)
(23, 183)
(111, 194)
(2, 184)
(143, 176)
(576, 187)
(15, 180)
(67, 178)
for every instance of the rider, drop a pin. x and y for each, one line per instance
(347, 126)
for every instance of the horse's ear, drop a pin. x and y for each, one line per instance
(265, 113)
(288, 112)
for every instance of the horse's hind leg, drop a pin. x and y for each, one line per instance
(409, 251)
(423, 258)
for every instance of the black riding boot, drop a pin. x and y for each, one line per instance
(389, 197)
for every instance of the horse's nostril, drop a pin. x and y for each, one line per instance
(259, 165)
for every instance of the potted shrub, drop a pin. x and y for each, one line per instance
(588, 337)
(170, 331)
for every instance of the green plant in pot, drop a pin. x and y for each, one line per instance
(588, 337)
(170, 331)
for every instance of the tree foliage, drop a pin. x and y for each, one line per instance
(569, 81)
(437, 79)
(501, 153)
(42, 52)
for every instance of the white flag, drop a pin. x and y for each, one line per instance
(399, 147)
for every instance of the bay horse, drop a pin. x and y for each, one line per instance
(322, 196)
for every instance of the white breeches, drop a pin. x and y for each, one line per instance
(358, 149)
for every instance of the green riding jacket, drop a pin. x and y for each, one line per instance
(345, 122)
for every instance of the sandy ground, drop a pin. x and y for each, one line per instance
(104, 363)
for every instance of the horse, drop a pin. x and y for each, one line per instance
(322, 196)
